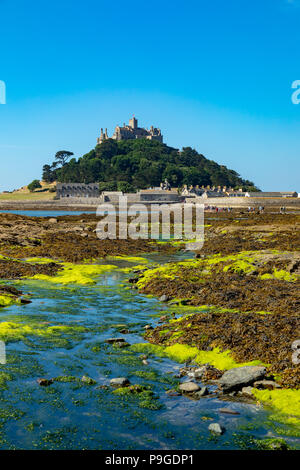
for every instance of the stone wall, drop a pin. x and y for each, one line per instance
(248, 201)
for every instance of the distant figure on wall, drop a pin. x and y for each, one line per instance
(166, 185)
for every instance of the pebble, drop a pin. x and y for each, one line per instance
(228, 411)
(189, 387)
(45, 382)
(172, 393)
(247, 391)
(115, 340)
(87, 380)
(164, 318)
(164, 298)
(119, 382)
(202, 392)
(216, 428)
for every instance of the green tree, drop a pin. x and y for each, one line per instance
(62, 156)
(35, 184)
(49, 175)
(141, 163)
(125, 187)
(108, 186)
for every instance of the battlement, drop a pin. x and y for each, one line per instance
(131, 131)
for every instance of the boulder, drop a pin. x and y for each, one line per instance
(239, 377)
(164, 298)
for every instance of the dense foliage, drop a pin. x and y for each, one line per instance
(138, 164)
(35, 184)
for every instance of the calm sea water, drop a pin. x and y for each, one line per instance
(79, 416)
(46, 213)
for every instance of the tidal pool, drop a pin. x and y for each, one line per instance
(70, 414)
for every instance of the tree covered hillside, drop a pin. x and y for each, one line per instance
(138, 164)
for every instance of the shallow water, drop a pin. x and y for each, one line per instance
(79, 416)
(50, 213)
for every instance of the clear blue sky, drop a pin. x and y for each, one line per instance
(212, 74)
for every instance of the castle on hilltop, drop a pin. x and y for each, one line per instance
(132, 131)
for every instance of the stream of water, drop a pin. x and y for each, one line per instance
(74, 415)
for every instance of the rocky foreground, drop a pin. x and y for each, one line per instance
(238, 296)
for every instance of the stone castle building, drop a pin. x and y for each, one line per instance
(132, 131)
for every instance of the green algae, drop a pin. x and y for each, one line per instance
(4, 378)
(66, 379)
(13, 331)
(142, 394)
(184, 353)
(10, 413)
(280, 274)
(41, 260)
(284, 401)
(244, 262)
(272, 444)
(82, 274)
(7, 300)
(240, 266)
(154, 376)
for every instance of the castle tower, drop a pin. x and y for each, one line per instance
(101, 138)
(133, 123)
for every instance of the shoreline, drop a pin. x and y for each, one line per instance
(223, 203)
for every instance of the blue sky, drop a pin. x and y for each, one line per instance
(212, 74)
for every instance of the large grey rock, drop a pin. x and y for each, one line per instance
(189, 387)
(235, 379)
(216, 428)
